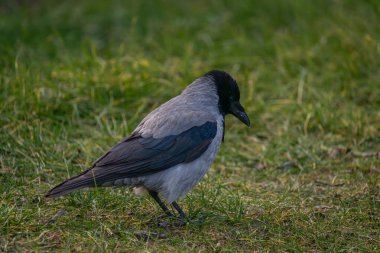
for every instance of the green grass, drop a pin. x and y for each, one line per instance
(77, 76)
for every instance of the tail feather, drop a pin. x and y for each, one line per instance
(80, 181)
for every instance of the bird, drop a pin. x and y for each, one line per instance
(172, 148)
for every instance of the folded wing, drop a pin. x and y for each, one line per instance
(140, 156)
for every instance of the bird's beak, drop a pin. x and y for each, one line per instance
(238, 111)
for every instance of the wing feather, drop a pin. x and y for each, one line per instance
(139, 156)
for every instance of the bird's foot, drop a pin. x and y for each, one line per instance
(166, 221)
(182, 220)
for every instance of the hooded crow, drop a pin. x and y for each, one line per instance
(172, 148)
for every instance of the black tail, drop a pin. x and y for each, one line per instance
(83, 180)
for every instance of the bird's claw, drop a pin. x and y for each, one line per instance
(179, 221)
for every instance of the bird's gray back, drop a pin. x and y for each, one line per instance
(197, 104)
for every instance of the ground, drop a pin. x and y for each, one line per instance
(78, 76)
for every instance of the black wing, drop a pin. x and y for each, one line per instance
(138, 156)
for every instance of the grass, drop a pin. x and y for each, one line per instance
(77, 76)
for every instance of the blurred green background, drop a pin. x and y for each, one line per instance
(77, 76)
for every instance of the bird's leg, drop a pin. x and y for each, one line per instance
(160, 203)
(182, 215)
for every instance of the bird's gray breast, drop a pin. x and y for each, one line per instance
(178, 180)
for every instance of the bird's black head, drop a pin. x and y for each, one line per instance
(229, 95)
